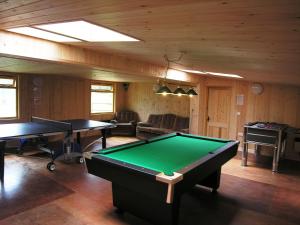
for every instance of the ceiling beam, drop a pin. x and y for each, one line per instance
(24, 47)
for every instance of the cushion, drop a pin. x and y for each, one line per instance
(123, 124)
(154, 130)
(155, 120)
(181, 123)
(126, 116)
(168, 121)
(143, 124)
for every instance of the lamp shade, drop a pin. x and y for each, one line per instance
(164, 90)
(191, 92)
(179, 91)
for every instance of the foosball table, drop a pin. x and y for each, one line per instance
(266, 134)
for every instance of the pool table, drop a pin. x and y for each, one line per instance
(148, 177)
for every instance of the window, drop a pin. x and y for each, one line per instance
(8, 97)
(102, 98)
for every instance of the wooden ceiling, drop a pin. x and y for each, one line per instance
(257, 39)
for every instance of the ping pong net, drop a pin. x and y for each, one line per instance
(63, 126)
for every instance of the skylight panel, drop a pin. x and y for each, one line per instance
(86, 31)
(42, 34)
(212, 73)
(224, 75)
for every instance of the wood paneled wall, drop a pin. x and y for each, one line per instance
(59, 97)
(141, 98)
(277, 103)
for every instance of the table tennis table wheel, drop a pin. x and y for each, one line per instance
(51, 166)
(80, 159)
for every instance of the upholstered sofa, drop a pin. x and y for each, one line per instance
(125, 122)
(159, 124)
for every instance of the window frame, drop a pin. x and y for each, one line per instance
(104, 91)
(15, 86)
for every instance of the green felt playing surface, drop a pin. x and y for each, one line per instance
(166, 155)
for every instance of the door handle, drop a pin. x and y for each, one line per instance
(208, 118)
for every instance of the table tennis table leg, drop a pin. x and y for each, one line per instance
(2, 149)
(78, 138)
(103, 131)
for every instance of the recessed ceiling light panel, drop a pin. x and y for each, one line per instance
(86, 31)
(212, 73)
(42, 34)
(224, 75)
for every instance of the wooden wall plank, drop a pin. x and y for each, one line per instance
(25, 97)
(194, 111)
(142, 99)
(57, 105)
(120, 96)
(41, 94)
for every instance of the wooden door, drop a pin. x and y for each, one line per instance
(218, 112)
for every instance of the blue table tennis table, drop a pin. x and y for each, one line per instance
(41, 128)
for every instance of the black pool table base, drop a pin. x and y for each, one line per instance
(151, 209)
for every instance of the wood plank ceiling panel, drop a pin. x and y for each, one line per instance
(257, 39)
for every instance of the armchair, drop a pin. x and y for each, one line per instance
(126, 123)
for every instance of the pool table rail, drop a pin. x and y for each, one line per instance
(127, 175)
(170, 135)
(207, 170)
(230, 150)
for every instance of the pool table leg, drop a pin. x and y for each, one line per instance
(213, 180)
